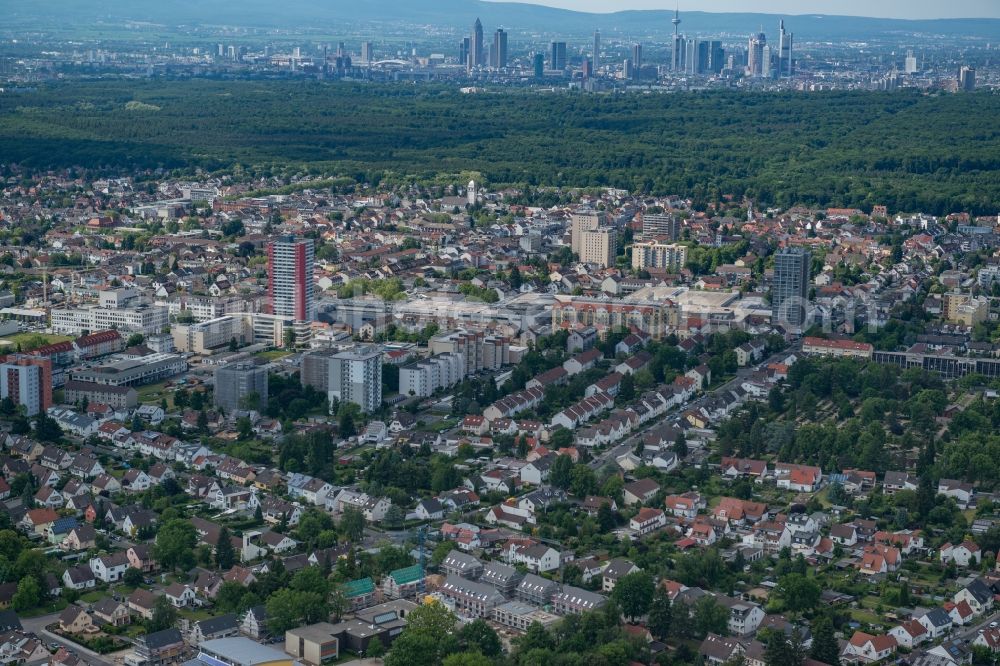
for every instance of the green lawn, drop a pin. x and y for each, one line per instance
(274, 354)
(865, 617)
(195, 615)
(153, 393)
(31, 340)
(439, 426)
(54, 607)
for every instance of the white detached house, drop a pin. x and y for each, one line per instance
(109, 568)
(964, 554)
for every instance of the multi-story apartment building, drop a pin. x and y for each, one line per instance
(653, 254)
(356, 376)
(599, 247)
(656, 225)
(657, 318)
(27, 380)
(290, 277)
(584, 221)
(790, 289)
(422, 378)
(234, 382)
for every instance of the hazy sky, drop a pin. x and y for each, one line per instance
(912, 9)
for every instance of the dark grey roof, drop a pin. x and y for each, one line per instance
(498, 573)
(979, 590)
(536, 584)
(460, 561)
(938, 617)
(161, 639)
(617, 568)
(9, 621)
(214, 625)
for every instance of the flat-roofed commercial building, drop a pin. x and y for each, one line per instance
(314, 644)
(518, 615)
(657, 318)
(240, 651)
(133, 372)
(145, 319)
(210, 336)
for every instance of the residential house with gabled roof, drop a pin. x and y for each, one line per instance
(39, 520)
(403, 583)
(963, 554)
(254, 622)
(44, 476)
(213, 628)
(140, 556)
(896, 481)
(538, 558)
(684, 506)
(647, 520)
(79, 578)
(136, 481)
(180, 595)
(732, 468)
(909, 634)
(106, 484)
(614, 571)
(961, 613)
(76, 620)
(937, 622)
(978, 595)
(86, 466)
(536, 590)
(360, 593)
(959, 491)
(640, 491)
(55, 458)
(308, 489)
(798, 478)
(109, 568)
(576, 601)
(80, 537)
(868, 649)
(49, 497)
(112, 612)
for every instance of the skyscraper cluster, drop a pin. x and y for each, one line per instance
(475, 54)
(699, 57)
(690, 56)
(758, 56)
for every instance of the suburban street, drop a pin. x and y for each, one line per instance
(37, 626)
(629, 443)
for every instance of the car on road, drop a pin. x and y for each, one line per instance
(994, 625)
(54, 647)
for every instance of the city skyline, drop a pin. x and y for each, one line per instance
(894, 9)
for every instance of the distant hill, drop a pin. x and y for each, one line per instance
(458, 14)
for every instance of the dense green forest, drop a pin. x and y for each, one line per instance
(908, 150)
